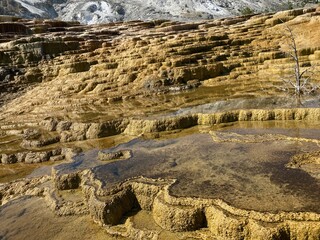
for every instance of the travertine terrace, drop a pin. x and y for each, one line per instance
(103, 122)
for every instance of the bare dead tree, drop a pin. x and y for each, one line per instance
(300, 81)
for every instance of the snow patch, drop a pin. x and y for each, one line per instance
(100, 11)
(31, 8)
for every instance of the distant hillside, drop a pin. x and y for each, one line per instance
(121, 10)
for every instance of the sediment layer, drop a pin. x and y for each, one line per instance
(63, 85)
(71, 71)
(71, 132)
(169, 212)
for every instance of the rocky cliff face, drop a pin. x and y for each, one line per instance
(111, 11)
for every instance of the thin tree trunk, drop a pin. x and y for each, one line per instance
(297, 71)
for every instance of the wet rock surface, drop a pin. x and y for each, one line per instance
(206, 184)
(166, 130)
(243, 174)
(77, 71)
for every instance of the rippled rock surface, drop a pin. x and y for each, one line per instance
(158, 130)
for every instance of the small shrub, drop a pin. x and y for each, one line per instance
(246, 11)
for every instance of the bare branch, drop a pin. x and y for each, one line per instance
(289, 82)
(303, 72)
(305, 81)
(299, 81)
(313, 89)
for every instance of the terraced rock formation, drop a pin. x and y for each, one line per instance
(68, 89)
(156, 206)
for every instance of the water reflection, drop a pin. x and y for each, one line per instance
(246, 174)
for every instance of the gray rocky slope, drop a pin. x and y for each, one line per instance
(98, 11)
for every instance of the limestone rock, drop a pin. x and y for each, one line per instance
(67, 181)
(50, 124)
(225, 226)
(37, 157)
(39, 142)
(177, 218)
(32, 157)
(63, 126)
(66, 82)
(109, 210)
(8, 158)
(109, 156)
(117, 206)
